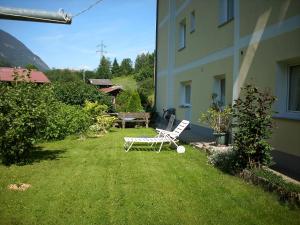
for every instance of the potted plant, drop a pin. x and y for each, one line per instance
(218, 118)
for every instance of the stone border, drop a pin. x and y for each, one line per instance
(284, 195)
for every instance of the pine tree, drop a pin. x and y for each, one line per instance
(103, 70)
(126, 67)
(115, 70)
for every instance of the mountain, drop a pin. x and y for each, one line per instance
(14, 53)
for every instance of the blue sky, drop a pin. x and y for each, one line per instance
(127, 27)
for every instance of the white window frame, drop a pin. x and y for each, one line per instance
(182, 35)
(282, 93)
(226, 13)
(183, 96)
(192, 21)
(217, 89)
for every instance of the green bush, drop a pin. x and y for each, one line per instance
(23, 117)
(128, 102)
(224, 160)
(77, 92)
(64, 120)
(103, 124)
(253, 124)
(94, 109)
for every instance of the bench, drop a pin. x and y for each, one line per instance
(135, 117)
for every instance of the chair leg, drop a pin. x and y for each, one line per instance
(160, 147)
(129, 147)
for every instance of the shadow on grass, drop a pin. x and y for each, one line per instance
(39, 154)
(141, 148)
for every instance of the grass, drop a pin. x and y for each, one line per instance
(127, 82)
(96, 182)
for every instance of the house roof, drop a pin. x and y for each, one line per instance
(101, 82)
(6, 74)
(111, 89)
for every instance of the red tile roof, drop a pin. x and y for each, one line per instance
(6, 74)
(111, 89)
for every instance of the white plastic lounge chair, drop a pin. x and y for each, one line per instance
(176, 132)
(162, 137)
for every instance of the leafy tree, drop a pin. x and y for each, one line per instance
(103, 70)
(64, 75)
(77, 92)
(31, 67)
(146, 92)
(23, 110)
(134, 104)
(144, 60)
(115, 70)
(253, 122)
(126, 67)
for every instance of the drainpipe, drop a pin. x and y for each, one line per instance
(35, 15)
(155, 61)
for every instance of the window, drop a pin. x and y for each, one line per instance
(192, 22)
(187, 96)
(219, 89)
(288, 89)
(294, 89)
(226, 11)
(182, 34)
(186, 90)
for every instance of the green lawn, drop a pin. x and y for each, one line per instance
(127, 82)
(96, 182)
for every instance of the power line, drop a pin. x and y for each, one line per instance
(88, 8)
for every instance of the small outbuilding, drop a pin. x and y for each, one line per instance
(8, 74)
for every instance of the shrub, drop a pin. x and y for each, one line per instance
(218, 120)
(103, 124)
(77, 92)
(253, 122)
(224, 160)
(64, 120)
(94, 109)
(23, 110)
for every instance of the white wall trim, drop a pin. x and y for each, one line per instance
(171, 53)
(183, 6)
(163, 21)
(167, 17)
(205, 60)
(270, 32)
(236, 56)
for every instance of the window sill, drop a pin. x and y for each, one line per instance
(287, 115)
(185, 106)
(226, 22)
(181, 48)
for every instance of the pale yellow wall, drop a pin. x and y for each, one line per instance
(286, 136)
(163, 9)
(262, 73)
(162, 53)
(257, 63)
(277, 10)
(202, 80)
(208, 36)
(161, 99)
(261, 63)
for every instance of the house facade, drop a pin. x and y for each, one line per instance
(218, 46)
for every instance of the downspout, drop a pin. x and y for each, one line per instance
(155, 61)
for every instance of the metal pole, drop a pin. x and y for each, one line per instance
(35, 15)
